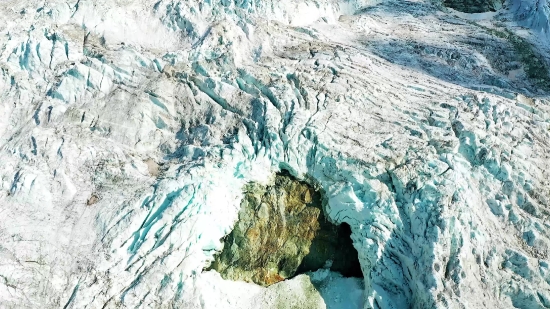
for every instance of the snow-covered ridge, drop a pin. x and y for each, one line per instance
(129, 128)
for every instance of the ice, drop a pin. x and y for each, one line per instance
(532, 14)
(129, 129)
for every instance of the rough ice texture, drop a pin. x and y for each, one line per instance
(532, 14)
(129, 129)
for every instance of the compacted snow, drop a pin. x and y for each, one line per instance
(129, 128)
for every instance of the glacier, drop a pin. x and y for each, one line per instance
(532, 14)
(129, 129)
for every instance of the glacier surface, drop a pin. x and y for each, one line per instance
(129, 128)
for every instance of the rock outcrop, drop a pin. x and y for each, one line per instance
(282, 231)
(474, 6)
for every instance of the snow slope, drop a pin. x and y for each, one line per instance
(128, 129)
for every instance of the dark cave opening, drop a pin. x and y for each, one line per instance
(282, 232)
(334, 243)
(474, 6)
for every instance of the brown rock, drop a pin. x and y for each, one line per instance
(277, 229)
(92, 200)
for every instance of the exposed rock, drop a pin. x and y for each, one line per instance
(474, 6)
(92, 200)
(282, 231)
(152, 167)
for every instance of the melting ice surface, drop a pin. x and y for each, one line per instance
(129, 129)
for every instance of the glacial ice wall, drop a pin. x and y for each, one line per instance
(129, 129)
(532, 14)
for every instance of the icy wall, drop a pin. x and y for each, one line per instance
(129, 129)
(532, 14)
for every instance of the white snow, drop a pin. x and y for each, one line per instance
(163, 110)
